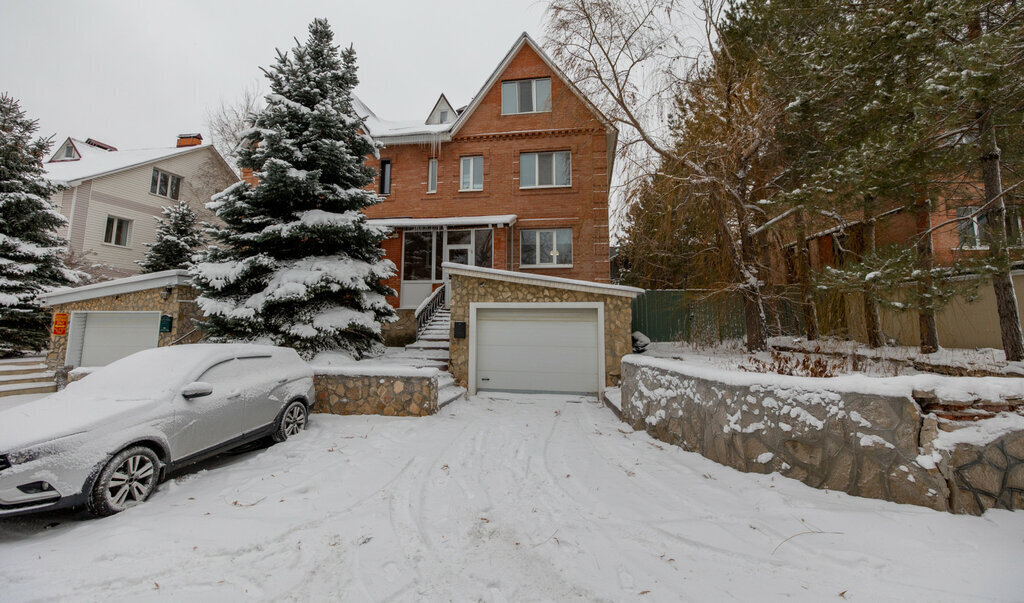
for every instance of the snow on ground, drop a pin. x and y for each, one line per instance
(12, 401)
(507, 498)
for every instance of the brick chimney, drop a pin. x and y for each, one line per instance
(190, 140)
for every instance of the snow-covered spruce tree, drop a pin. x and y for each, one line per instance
(297, 263)
(177, 236)
(30, 250)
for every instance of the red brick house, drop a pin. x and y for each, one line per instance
(516, 180)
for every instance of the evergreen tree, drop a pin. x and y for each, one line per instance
(30, 250)
(297, 263)
(177, 236)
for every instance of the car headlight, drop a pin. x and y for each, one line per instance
(24, 456)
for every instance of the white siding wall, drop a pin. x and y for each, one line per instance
(126, 195)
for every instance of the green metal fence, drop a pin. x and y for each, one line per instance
(688, 315)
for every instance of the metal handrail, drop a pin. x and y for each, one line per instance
(428, 307)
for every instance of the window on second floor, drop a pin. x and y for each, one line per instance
(973, 228)
(165, 185)
(117, 232)
(385, 177)
(537, 170)
(471, 173)
(432, 175)
(526, 96)
(545, 248)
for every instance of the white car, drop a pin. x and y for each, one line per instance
(107, 440)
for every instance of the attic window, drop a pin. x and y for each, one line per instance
(526, 96)
(165, 185)
(69, 151)
(444, 117)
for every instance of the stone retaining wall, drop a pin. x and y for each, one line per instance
(867, 444)
(350, 393)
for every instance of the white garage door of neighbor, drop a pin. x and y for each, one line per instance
(542, 349)
(110, 336)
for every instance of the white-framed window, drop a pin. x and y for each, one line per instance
(471, 173)
(973, 231)
(165, 185)
(385, 177)
(526, 96)
(432, 175)
(545, 248)
(69, 151)
(443, 117)
(118, 231)
(544, 170)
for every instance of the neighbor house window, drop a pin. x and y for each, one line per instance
(385, 177)
(432, 175)
(165, 185)
(471, 173)
(972, 228)
(117, 232)
(526, 96)
(545, 169)
(545, 247)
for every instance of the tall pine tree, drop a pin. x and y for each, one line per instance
(30, 250)
(177, 236)
(297, 263)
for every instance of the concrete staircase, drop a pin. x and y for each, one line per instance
(431, 350)
(19, 376)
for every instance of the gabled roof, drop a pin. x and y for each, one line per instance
(399, 131)
(95, 162)
(524, 40)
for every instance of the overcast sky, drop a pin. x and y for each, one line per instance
(137, 73)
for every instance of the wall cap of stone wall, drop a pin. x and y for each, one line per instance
(363, 369)
(945, 387)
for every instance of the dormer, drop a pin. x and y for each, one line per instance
(442, 113)
(72, 148)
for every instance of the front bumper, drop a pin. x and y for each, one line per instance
(69, 487)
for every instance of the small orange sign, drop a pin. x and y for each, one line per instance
(60, 324)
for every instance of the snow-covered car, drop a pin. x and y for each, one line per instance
(107, 440)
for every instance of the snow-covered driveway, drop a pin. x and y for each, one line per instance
(521, 498)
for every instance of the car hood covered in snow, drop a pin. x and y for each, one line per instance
(61, 415)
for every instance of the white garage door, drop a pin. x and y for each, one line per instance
(546, 349)
(110, 336)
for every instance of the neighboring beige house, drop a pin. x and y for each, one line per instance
(112, 196)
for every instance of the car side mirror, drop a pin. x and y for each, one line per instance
(196, 389)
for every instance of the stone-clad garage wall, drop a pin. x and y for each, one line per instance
(177, 301)
(874, 444)
(469, 289)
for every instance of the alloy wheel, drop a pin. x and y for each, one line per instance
(131, 482)
(294, 419)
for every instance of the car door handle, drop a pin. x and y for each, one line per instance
(284, 380)
(234, 395)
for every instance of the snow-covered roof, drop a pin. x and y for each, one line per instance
(95, 162)
(502, 220)
(542, 280)
(139, 282)
(399, 131)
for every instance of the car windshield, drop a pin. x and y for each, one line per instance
(147, 374)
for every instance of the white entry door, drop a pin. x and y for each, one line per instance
(546, 349)
(109, 336)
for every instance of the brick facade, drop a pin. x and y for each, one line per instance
(571, 125)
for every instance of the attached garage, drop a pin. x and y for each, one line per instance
(522, 332)
(99, 338)
(538, 347)
(97, 324)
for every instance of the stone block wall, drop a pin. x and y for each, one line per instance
(373, 394)
(179, 303)
(618, 317)
(865, 444)
(401, 332)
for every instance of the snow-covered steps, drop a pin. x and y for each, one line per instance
(30, 375)
(448, 391)
(426, 344)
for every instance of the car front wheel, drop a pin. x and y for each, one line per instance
(127, 480)
(293, 420)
